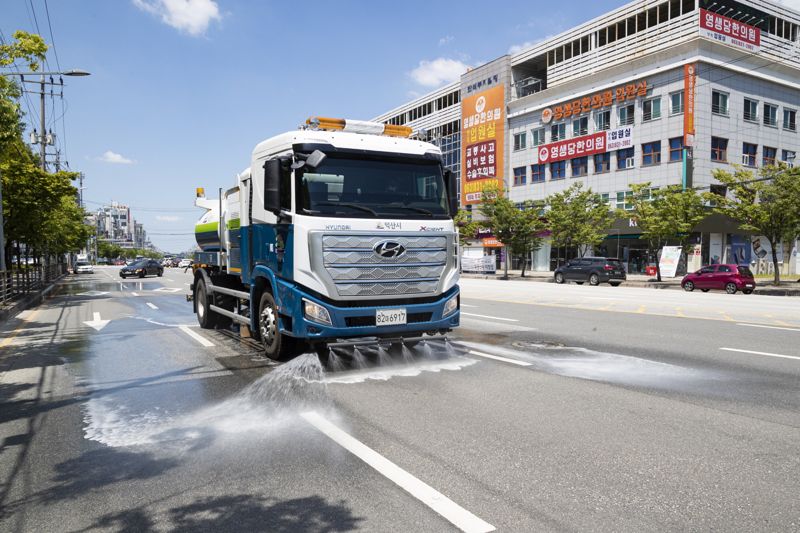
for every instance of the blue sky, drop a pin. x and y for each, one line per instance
(182, 90)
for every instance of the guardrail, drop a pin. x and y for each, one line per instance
(26, 279)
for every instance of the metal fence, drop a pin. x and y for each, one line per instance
(26, 279)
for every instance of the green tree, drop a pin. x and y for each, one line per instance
(577, 218)
(518, 229)
(665, 214)
(467, 228)
(768, 206)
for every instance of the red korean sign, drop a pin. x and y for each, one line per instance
(729, 31)
(570, 148)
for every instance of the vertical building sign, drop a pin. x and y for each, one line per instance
(689, 83)
(482, 140)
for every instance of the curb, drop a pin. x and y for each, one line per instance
(28, 301)
(765, 290)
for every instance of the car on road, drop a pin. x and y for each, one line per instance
(185, 263)
(145, 267)
(595, 270)
(83, 267)
(728, 278)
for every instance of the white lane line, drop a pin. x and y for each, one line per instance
(467, 305)
(151, 306)
(492, 317)
(498, 358)
(769, 327)
(170, 280)
(196, 336)
(135, 294)
(447, 508)
(761, 353)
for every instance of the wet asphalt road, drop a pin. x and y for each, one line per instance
(608, 409)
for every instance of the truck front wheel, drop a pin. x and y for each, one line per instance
(276, 345)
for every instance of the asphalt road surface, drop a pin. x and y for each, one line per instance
(554, 408)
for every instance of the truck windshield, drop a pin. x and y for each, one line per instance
(365, 188)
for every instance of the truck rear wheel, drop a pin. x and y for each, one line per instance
(205, 316)
(276, 345)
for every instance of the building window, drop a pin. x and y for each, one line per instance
(751, 110)
(651, 109)
(558, 132)
(719, 149)
(519, 141)
(676, 103)
(770, 115)
(558, 170)
(749, 153)
(719, 103)
(519, 176)
(788, 156)
(625, 158)
(537, 173)
(580, 166)
(768, 157)
(651, 153)
(623, 200)
(580, 126)
(676, 149)
(602, 162)
(626, 115)
(602, 120)
(790, 119)
(537, 137)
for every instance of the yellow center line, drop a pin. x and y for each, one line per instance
(17, 331)
(679, 312)
(642, 309)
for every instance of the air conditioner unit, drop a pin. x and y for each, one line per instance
(629, 162)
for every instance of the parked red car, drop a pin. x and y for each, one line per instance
(730, 278)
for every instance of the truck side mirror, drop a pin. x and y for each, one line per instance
(452, 191)
(272, 185)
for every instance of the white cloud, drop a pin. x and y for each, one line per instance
(114, 158)
(438, 72)
(514, 48)
(167, 218)
(447, 39)
(190, 16)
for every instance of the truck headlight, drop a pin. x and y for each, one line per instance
(451, 306)
(316, 313)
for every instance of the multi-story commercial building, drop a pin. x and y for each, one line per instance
(659, 91)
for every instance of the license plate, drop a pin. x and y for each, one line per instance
(390, 317)
(748, 285)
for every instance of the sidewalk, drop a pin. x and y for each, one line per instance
(763, 287)
(26, 301)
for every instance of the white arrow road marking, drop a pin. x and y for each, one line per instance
(196, 336)
(447, 508)
(167, 289)
(92, 293)
(151, 306)
(96, 323)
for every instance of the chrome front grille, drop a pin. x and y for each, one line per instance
(357, 270)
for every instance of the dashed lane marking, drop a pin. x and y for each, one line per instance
(135, 293)
(151, 306)
(196, 336)
(768, 327)
(492, 317)
(444, 506)
(498, 358)
(761, 353)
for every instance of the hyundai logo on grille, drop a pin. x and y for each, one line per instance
(389, 249)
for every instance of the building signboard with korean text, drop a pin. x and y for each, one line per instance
(689, 86)
(482, 143)
(586, 145)
(730, 31)
(600, 100)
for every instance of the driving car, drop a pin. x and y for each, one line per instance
(595, 270)
(142, 268)
(83, 267)
(728, 278)
(185, 263)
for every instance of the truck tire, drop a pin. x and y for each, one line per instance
(276, 345)
(205, 316)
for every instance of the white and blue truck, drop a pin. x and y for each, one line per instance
(339, 232)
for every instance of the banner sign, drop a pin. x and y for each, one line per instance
(729, 31)
(595, 101)
(689, 84)
(586, 145)
(482, 265)
(668, 264)
(482, 137)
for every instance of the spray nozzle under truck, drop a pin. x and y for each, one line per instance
(338, 232)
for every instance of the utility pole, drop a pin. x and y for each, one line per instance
(43, 137)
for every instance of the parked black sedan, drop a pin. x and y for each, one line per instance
(142, 268)
(595, 270)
